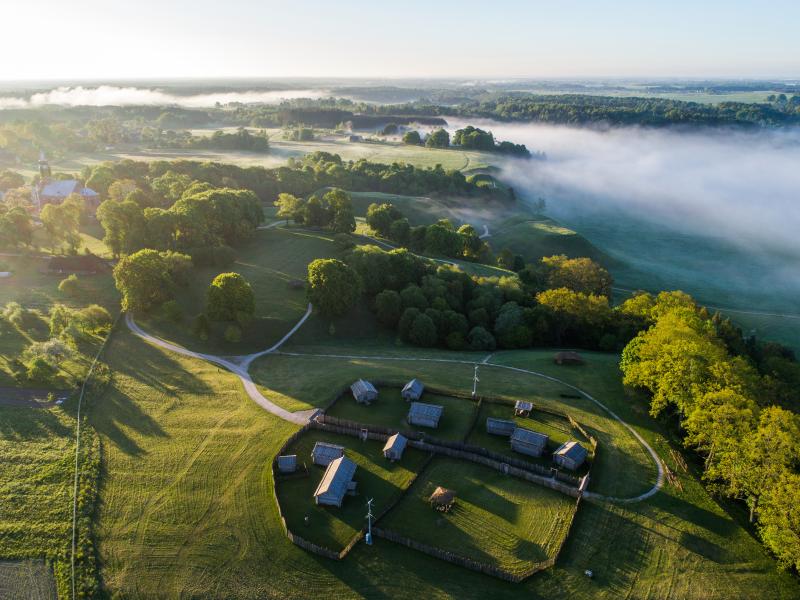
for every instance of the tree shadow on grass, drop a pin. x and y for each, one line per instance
(31, 423)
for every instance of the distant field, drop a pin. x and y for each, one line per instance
(26, 580)
(377, 478)
(498, 520)
(535, 238)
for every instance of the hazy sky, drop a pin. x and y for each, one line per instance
(84, 39)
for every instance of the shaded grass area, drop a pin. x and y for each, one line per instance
(390, 410)
(26, 580)
(556, 428)
(496, 519)
(533, 238)
(377, 478)
(269, 262)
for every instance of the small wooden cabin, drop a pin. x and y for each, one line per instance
(364, 392)
(336, 482)
(395, 445)
(424, 415)
(523, 408)
(442, 499)
(323, 453)
(500, 426)
(412, 391)
(570, 455)
(528, 442)
(287, 463)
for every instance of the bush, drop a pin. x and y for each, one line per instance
(202, 327)
(95, 317)
(480, 339)
(70, 285)
(21, 318)
(344, 241)
(172, 311)
(38, 370)
(233, 334)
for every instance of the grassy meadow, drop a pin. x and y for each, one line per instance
(496, 519)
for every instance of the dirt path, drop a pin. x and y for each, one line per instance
(237, 365)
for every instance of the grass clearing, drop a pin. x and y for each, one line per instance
(377, 478)
(390, 410)
(496, 519)
(533, 238)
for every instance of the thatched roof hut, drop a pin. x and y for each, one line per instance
(442, 498)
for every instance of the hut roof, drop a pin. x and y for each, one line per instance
(414, 386)
(287, 463)
(442, 496)
(362, 387)
(421, 410)
(572, 450)
(396, 442)
(83, 263)
(337, 478)
(502, 426)
(325, 450)
(523, 405)
(531, 438)
(568, 356)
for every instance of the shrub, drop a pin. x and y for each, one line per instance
(172, 311)
(202, 327)
(95, 317)
(70, 285)
(39, 370)
(344, 241)
(233, 334)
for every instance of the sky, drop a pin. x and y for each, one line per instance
(118, 39)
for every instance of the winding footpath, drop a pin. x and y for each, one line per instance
(238, 365)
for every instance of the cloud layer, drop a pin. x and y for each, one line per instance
(107, 95)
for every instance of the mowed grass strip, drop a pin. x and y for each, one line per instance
(497, 520)
(390, 410)
(26, 580)
(377, 478)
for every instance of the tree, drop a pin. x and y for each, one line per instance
(779, 519)
(333, 286)
(341, 206)
(480, 339)
(148, 277)
(69, 285)
(578, 274)
(412, 138)
(289, 207)
(423, 331)
(10, 180)
(388, 307)
(62, 222)
(228, 295)
(381, 216)
(315, 214)
(438, 138)
(16, 227)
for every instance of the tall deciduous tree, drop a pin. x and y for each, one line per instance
(230, 297)
(333, 286)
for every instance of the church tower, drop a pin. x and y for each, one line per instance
(44, 167)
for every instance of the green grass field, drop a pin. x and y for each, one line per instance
(377, 478)
(390, 410)
(533, 238)
(497, 520)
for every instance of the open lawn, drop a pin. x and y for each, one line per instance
(556, 428)
(377, 478)
(533, 238)
(187, 508)
(270, 261)
(497, 519)
(390, 410)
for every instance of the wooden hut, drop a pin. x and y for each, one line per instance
(363, 391)
(528, 442)
(442, 499)
(523, 408)
(570, 455)
(323, 453)
(336, 482)
(412, 391)
(424, 415)
(287, 463)
(500, 426)
(395, 445)
(568, 358)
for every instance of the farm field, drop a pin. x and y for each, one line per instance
(390, 410)
(377, 478)
(26, 580)
(496, 519)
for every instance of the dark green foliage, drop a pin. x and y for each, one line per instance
(228, 295)
(423, 331)
(388, 307)
(480, 339)
(333, 286)
(148, 278)
(438, 138)
(412, 138)
(202, 327)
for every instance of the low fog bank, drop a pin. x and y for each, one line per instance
(716, 212)
(109, 95)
